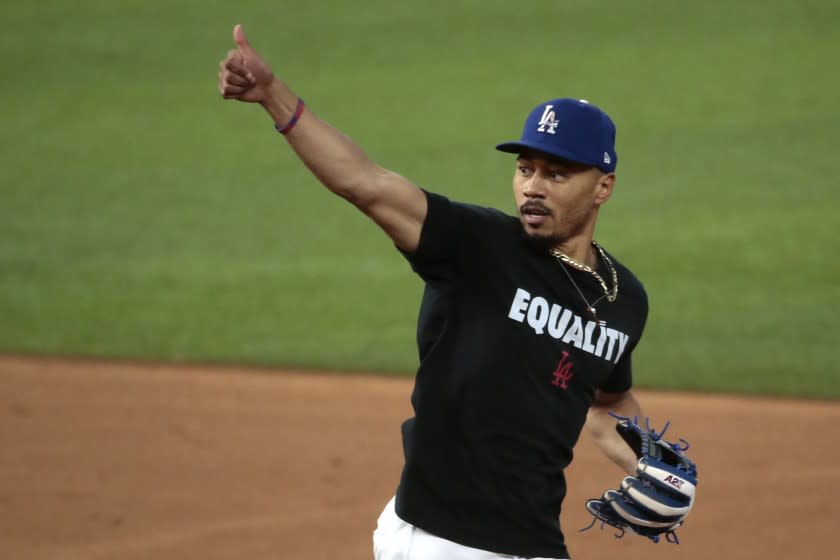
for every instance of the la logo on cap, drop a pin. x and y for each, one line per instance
(548, 121)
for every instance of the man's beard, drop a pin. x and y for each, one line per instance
(541, 243)
(538, 243)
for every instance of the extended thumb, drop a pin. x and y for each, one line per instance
(239, 37)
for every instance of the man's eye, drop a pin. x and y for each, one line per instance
(558, 176)
(524, 170)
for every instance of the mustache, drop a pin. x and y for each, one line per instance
(534, 207)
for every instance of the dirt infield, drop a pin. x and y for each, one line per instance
(127, 461)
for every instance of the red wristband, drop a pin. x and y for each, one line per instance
(293, 121)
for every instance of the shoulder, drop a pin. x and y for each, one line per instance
(470, 216)
(455, 232)
(482, 213)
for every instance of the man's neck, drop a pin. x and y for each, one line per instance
(580, 249)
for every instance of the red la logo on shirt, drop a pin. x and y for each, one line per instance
(563, 373)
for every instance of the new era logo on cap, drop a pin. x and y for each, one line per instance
(571, 129)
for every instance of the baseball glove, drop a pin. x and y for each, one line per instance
(657, 500)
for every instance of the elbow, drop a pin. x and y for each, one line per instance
(362, 189)
(365, 189)
(352, 194)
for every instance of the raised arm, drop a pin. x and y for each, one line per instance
(394, 203)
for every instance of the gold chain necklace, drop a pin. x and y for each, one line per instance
(611, 295)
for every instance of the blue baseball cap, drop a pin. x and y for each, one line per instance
(571, 129)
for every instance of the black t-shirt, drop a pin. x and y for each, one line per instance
(509, 365)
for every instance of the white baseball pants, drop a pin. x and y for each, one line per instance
(394, 539)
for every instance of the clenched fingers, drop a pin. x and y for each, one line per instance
(232, 92)
(228, 77)
(234, 78)
(232, 86)
(234, 63)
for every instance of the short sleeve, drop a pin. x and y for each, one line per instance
(436, 253)
(621, 378)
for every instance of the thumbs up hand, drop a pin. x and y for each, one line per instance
(243, 74)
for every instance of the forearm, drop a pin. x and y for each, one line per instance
(339, 163)
(396, 205)
(602, 427)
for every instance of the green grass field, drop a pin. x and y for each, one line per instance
(141, 216)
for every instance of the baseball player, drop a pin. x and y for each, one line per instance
(525, 332)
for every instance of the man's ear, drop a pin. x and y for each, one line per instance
(604, 188)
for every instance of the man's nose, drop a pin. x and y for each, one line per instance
(535, 187)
